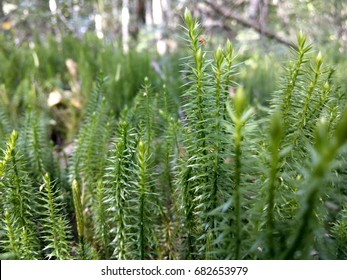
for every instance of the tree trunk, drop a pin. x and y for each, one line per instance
(1, 10)
(263, 17)
(258, 12)
(141, 12)
(158, 20)
(263, 13)
(116, 20)
(125, 25)
(98, 19)
(157, 12)
(167, 12)
(253, 9)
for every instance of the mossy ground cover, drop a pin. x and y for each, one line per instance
(164, 175)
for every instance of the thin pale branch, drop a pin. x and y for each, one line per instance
(230, 15)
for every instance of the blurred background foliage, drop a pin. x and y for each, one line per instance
(51, 51)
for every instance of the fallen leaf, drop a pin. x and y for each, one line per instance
(54, 98)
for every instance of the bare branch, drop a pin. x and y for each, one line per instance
(246, 23)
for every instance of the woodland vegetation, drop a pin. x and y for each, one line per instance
(173, 129)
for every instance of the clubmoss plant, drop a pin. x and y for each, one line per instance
(339, 232)
(19, 201)
(202, 175)
(239, 115)
(324, 152)
(144, 205)
(54, 224)
(118, 178)
(276, 134)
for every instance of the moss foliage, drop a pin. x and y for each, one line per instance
(208, 177)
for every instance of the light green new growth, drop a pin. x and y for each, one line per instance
(201, 175)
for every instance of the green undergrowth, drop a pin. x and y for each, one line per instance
(212, 177)
(57, 79)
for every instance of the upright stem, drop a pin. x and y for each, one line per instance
(276, 134)
(239, 115)
(237, 194)
(302, 50)
(313, 84)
